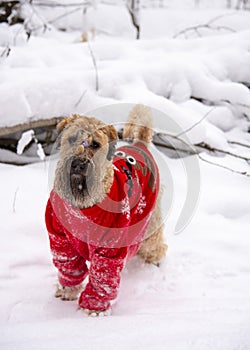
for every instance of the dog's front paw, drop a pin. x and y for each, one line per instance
(97, 313)
(68, 293)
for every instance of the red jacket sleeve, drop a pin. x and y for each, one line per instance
(72, 268)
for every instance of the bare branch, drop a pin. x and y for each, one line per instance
(57, 4)
(64, 15)
(239, 144)
(80, 98)
(244, 173)
(132, 8)
(222, 16)
(95, 67)
(177, 149)
(209, 25)
(209, 148)
(45, 25)
(26, 27)
(203, 26)
(6, 51)
(236, 104)
(197, 123)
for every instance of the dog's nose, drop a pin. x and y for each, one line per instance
(79, 166)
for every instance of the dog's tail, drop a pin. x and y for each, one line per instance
(139, 125)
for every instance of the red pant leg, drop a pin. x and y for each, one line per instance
(72, 268)
(104, 278)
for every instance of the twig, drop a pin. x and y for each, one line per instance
(64, 15)
(203, 26)
(57, 4)
(134, 19)
(214, 149)
(200, 99)
(95, 67)
(6, 51)
(197, 123)
(236, 103)
(245, 173)
(80, 98)
(162, 144)
(14, 200)
(207, 25)
(239, 143)
(57, 18)
(222, 16)
(45, 24)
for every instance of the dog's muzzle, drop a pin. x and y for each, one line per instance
(80, 167)
(79, 171)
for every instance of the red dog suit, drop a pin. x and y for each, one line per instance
(106, 234)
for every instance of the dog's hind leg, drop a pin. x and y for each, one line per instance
(153, 248)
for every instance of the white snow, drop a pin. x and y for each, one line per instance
(199, 297)
(40, 151)
(25, 140)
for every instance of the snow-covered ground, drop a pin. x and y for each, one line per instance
(199, 297)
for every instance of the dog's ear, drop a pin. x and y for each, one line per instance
(66, 121)
(61, 126)
(112, 134)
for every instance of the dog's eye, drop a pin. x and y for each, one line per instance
(131, 160)
(72, 139)
(120, 154)
(94, 145)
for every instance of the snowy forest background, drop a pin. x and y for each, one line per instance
(189, 61)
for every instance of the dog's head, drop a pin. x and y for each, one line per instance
(84, 172)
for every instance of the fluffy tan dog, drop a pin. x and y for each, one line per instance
(104, 207)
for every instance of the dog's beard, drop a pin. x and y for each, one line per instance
(78, 185)
(81, 178)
